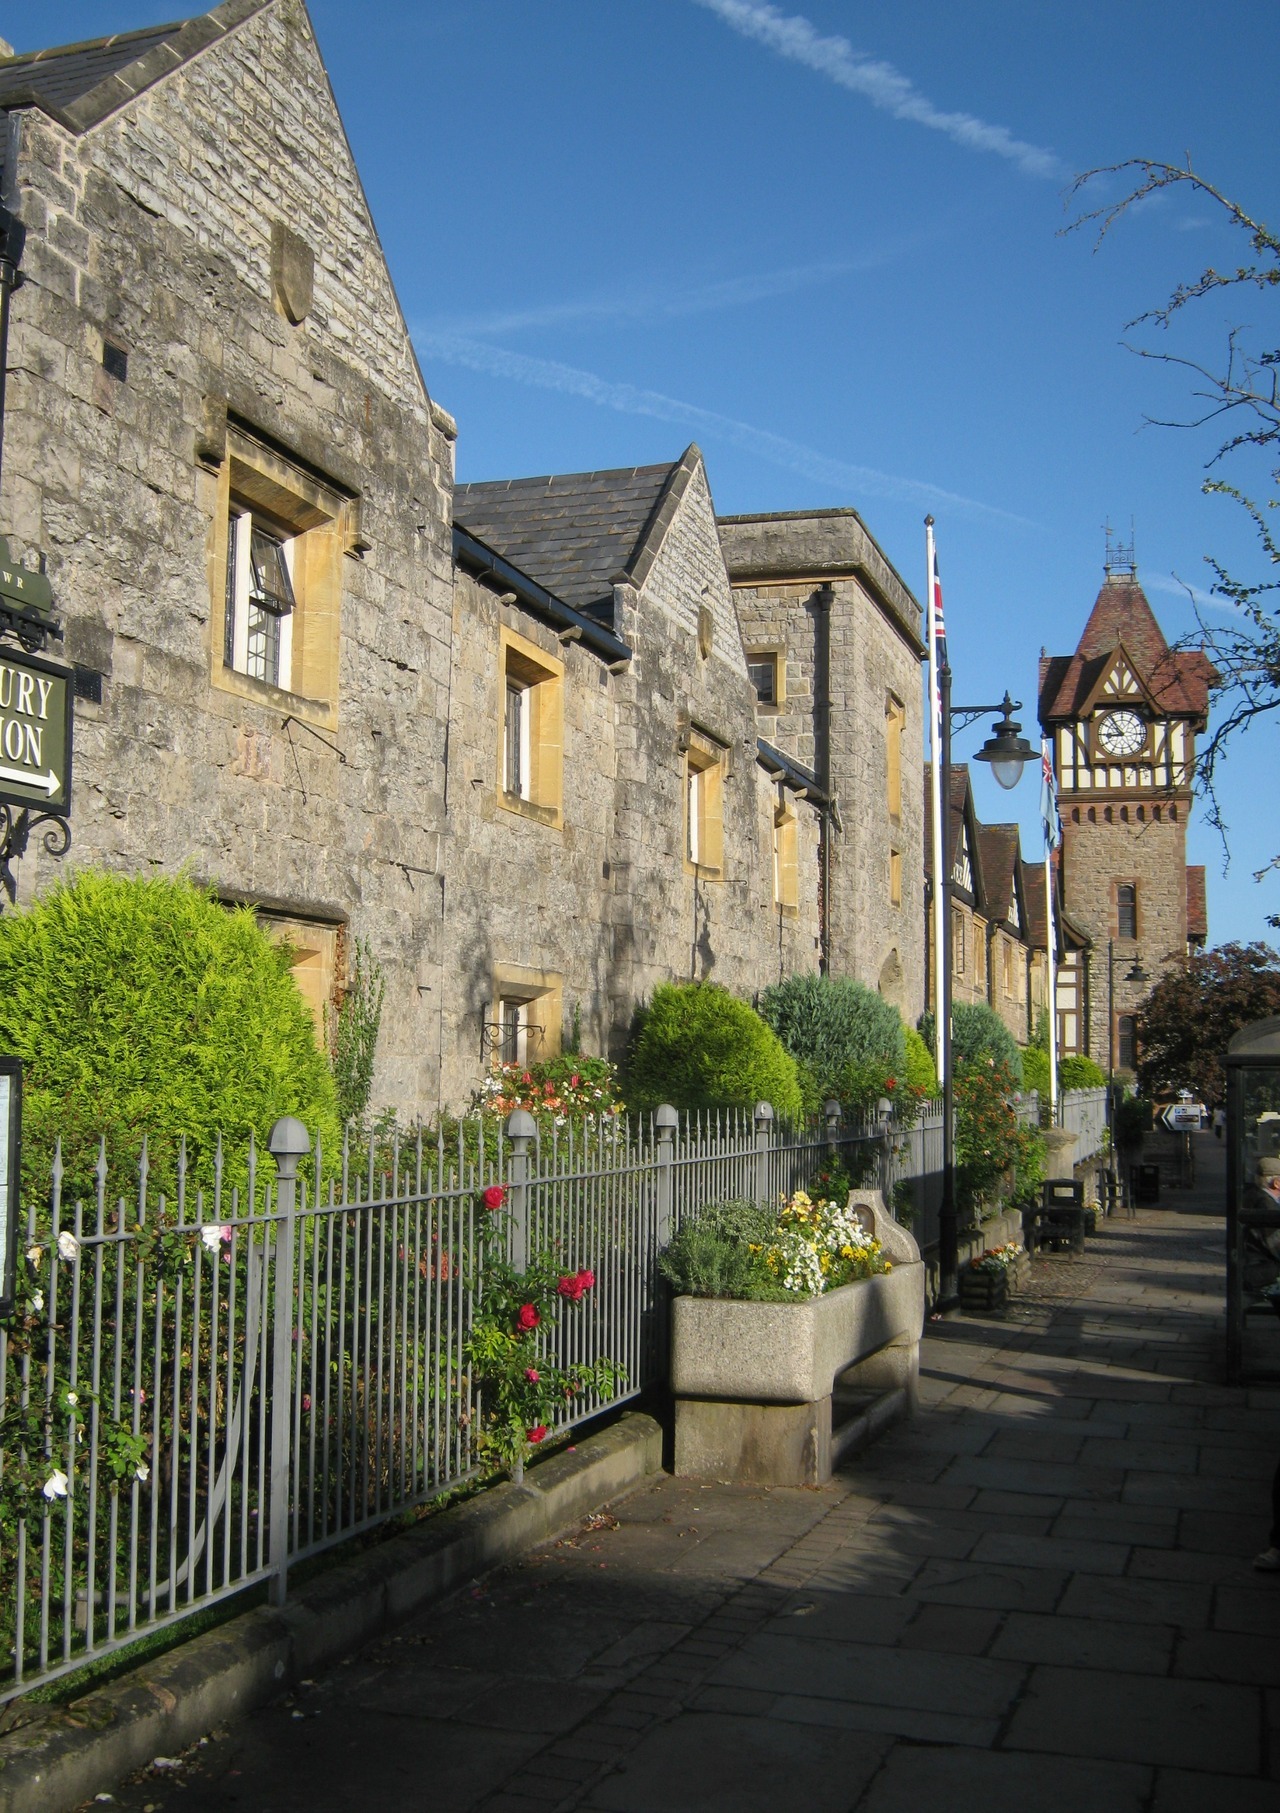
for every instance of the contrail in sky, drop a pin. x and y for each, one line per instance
(647, 305)
(629, 399)
(793, 36)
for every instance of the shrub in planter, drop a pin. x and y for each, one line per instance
(139, 1005)
(698, 1047)
(830, 1022)
(978, 1032)
(738, 1250)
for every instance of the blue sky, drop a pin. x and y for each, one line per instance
(826, 244)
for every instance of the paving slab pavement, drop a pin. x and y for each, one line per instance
(1040, 1594)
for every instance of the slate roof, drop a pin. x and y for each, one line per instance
(961, 799)
(79, 84)
(1178, 679)
(1197, 905)
(575, 532)
(1001, 853)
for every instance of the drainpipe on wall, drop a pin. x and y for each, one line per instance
(12, 238)
(824, 598)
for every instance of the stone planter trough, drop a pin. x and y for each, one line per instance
(776, 1393)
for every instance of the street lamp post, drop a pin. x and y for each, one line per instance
(1007, 751)
(1135, 973)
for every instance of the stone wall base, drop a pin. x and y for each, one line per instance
(797, 1444)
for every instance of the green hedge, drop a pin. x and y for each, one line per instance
(696, 1046)
(977, 1031)
(829, 1023)
(140, 1005)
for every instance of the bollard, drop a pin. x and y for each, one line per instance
(764, 1143)
(666, 1120)
(521, 1131)
(288, 1142)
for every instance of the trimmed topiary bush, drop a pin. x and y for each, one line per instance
(831, 1022)
(140, 1006)
(696, 1046)
(1076, 1071)
(1035, 1071)
(977, 1031)
(922, 1074)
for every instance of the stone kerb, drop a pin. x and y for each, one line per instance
(754, 1383)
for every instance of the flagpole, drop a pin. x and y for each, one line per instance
(935, 784)
(1049, 818)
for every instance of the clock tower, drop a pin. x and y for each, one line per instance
(1122, 714)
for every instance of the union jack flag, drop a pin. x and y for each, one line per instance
(1048, 798)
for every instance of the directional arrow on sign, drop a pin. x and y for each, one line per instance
(47, 783)
(1183, 1117)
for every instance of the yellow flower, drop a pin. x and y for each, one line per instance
(888, 1265)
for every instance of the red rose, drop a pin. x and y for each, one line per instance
(494, 1196)
(574, 1080)
(538, 1434)
(586, 1280)
(527, 1317)
(891, 1082)
(571, 1288)
(532, 1374)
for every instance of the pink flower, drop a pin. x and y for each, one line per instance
(527, 1317)
(494, 1196)
(538, 1434)
(306, 1401)
(574, 1080)
(532, 1374)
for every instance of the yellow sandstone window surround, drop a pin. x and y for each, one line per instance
(531, 730)
(895, 723)
(526, 1012)
(276, 581)
(786, 859)
(315, 961)
(704, 774)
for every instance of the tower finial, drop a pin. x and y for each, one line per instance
(1119, 561)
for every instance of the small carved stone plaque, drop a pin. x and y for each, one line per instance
(293, 271)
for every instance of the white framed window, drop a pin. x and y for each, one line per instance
(260, 602)
(531, 729)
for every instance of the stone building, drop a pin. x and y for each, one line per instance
(1123, 713)
(218, 435)
(999, 926)
(521, 741)
(833, 641)
(605, 766)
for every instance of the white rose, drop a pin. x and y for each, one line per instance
(68, 1245)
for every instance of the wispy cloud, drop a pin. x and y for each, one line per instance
(795, 37)
(1188, 593)
(629, 399)
(668, 303)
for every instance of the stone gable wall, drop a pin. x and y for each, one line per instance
(154, 230)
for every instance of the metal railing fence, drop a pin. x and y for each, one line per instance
(207, 1381)
(1084, 1113)
(205, 1384)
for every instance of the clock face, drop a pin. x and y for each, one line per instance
(1122, 732)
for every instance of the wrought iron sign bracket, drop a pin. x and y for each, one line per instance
(16, 826)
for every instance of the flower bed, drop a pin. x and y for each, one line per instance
(754, 1378)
